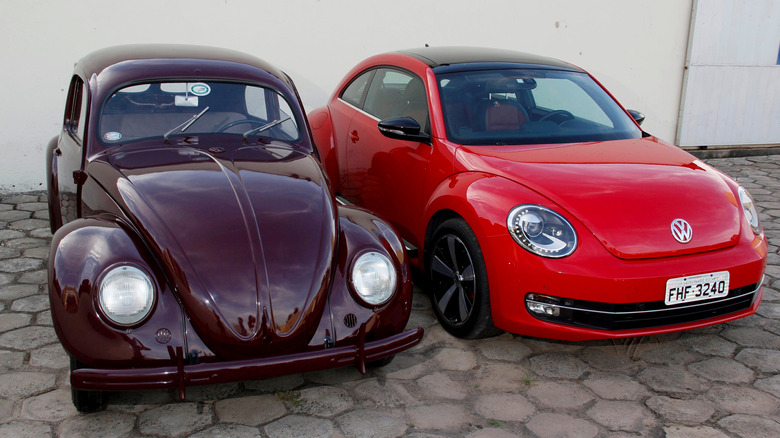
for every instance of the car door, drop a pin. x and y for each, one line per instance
(70, 151)
(383, 174)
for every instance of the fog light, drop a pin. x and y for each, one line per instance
(544, 309)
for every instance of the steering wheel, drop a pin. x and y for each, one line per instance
(555, 113)
(239, 122)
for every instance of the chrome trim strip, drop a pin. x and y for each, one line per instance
(358, 109)
(638, 312)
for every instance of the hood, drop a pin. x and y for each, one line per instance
(627, 192)
(246, 233)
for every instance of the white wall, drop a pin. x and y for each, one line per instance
(635, 48)
(732, 86)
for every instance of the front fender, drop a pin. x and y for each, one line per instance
(360, 231)
(81, 252)
(324, 142)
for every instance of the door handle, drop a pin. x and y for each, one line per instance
(354, 136)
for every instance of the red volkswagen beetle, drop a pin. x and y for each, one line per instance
(196, 240)
(534, 202)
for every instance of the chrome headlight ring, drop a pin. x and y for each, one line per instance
(541, 231)
(373, 277)
(126, 295)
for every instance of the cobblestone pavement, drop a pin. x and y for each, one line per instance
(714, 382)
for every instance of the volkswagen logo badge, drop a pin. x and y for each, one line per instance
(682, 231)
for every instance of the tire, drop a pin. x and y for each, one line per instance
(458, 282)
(86, 401)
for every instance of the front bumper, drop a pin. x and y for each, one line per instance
(181, 375)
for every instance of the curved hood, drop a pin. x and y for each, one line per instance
(627, 193)
(247, 233)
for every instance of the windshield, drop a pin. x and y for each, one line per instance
(523, 106)
(165, 109)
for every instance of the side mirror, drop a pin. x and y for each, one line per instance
(639, 117)
(403, 128)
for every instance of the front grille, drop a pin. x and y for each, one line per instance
(606, 316)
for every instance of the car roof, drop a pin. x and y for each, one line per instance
(453, 58)
(102, 59)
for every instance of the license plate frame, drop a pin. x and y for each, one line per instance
(684, 290)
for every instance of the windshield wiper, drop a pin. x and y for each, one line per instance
(187, 123)
(268, 125)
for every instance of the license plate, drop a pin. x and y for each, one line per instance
(697, 287)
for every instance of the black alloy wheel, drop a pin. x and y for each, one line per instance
(458, 282)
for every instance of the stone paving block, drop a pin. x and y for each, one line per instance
(10, 321)
(770, 385)
(228, 431)
(501, 377)
(673, 352)
(456, 360)
(504, 407)
(440, 417)
(31, 304)
(10, 235)
(558, 365)
(34, 277)
(300, 426)
(6, 410)
(720, 369)
(175, 420)
(213, 392)
(107, 424)
(16, 291)
(439, 385)
(37, 253)
(25, 429)
(750, 426)
(250, 411)
(613, 386)
(622, 416)
(412, 372)
(563, 395)
(769, 310)
(548, 424)
(44, 318)
(19, 265)
(389, 393)
(13, 215)
(681, 411)
(673, 379)
(52, 406)
(710, 345)
(25, 384)
(32, 206)
(51, 356)
(11, 360)
(334, 376)
(5, 278)
(740, 400)
(511, 350)
(375, 423)
(323, 401)
(28, 224)
(20, 199)
(693, 432)
(612, 358)
(28, 337)
(26, 243)
(489, 432)
(763, 361)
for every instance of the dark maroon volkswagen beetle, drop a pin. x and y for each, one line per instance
(196, 239)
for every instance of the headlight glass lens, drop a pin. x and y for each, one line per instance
(541, 231)
(126, 295)
(749, 207)
(373, 277)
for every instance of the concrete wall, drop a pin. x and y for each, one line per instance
(636, 48)
(732, 85)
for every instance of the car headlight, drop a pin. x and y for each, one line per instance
(126, 295)
(373, 277)
(541, 231)
(749, 207)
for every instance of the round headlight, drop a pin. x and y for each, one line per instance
(541, 231)
(126, 295)
(749, 207)
(373, 277)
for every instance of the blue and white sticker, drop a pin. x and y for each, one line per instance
(112, 136)
(200, 89)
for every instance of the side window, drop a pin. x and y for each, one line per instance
(353, 94)
(76, 108)
(255, 102)
(394, 93)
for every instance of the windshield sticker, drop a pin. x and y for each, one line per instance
(112, 136)
(200, 89)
